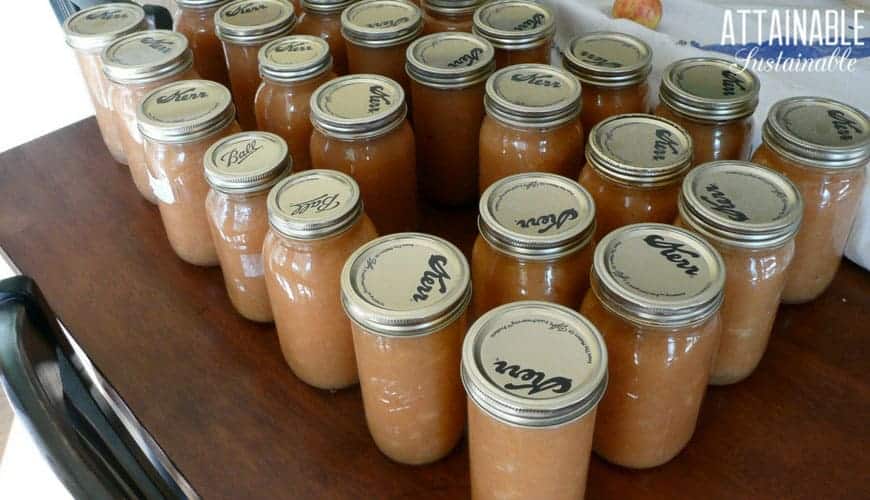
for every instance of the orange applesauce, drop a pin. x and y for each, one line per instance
(520, 30)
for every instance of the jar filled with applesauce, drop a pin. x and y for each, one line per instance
(323, 18)
(179, 122)
(654, 296)
(195, 20)
(532, 124)
(292, 67)
(448, 15)
(750, 214)
(448, 77)
(535, 242)
(534, 373)
(241, 169)
(88, 32)
(714, 100)
(406, 296)
(360, 129)
(317, 222)
(613, 69)
(243, 27)
(135, 65)
(823, 146)
(520, 30)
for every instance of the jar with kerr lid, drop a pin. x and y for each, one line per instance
(135, 65)
(823, 146)
(323, 18)
(448, 76)
(195, 20)
(535, 242)
(406, 295)
(292, 67)
(241, 168)
(520, 30)
(317, 222)
(634, 167)
(714, 100)
(179, 122)
(360, 129)
(655, 295)
(750, 215)
(448, 15)
(532, 124)
(243, 27)
(88, 32)
(534, 373)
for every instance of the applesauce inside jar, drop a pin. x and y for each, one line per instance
(448, 15)
(322, 18)
(520, 30)
(195, 20)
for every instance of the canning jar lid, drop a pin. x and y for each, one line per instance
(358, 106)
(709, 89)
(325, 6)
(405, 285)
(294, 58)
(200, 4)
(254, 21)
(451, 7)
(536, 215)
(532, 95)
(819, 132)
(95, 27)
(514, 24)
(146, 56)
(450, 60)
(381, 23)
(247, 162)
(639, 150)
(608, 59)
(314, 204)
(534, 364)
(185, 111)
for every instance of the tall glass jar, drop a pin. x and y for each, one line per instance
(195, 20)
(448, 15)
(520, 30)
(322, 18)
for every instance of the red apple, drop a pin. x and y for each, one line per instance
(645, 12)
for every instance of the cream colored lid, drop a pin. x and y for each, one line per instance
(358, 106)
(381, 23)
(254, 21)
(295, 57)
(314, 204)
(247, 162)
(185, 111)
(608, 59)
(95, 27)
(533, 95)
(514, 24)
(709, 89)
(450, 60)
(146, 56)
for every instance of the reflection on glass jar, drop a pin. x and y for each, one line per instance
(322, 18)
(520, 30)
(195, 20)
(448, 15)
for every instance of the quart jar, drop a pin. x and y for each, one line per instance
(292, 68)
(823, 146)
(179, 122)
(535, 242)
(655, 295)
(534, 373)
(360, 129)
(634, 167)
(322, 18)
(241, 168)
(532, 124)
(406, 295)
(448, 15)
(448, 76)
(195, 20)
(243, 28)
(520, 30)
(750, 214)
(714, 100)
(317, 222)
(88, 32)
(135, 65)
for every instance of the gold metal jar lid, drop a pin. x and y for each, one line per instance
(294, 58)
(450, 60)
(185, 111)
(532, 95)
(406, 285)
(314, 204)
(534, 364)
(451, 7)
(200, 4)
(146, 56)
(639, 150)
(358, 106)
(818, 132)
(709, 89)
(537, 215)
(381, 23)
(93, 28)
(247, 22)
(326, 6)
(514, 24)
(608, 59)
(247, 162)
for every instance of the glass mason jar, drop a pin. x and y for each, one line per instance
(823, 146)
(635, 164)
(88, 32)
(750, 214)
(406, 295)
(360, 129)
(535, 242)
(243, 28)
(195, 20)
(714, 100)
(179, 122)
(532, 124)
(520, 30)
(322, 18)
(534, 373)
(317, 222)
(448, 15)
(292, 67)
(448, 76)
(135, 65)
(241, 168)
(655, 295)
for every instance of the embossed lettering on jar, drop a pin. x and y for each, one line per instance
(195, 20)
(520, 30)
(322, 18)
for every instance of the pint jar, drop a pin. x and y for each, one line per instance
(520, 30)
(195, 20)
(322, 18)
(448, 15)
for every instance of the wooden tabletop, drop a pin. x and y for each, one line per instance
(216, 394)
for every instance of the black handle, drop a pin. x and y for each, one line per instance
(157, 16)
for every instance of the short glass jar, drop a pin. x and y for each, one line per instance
(534, 373)
(322, 18)
(714, 100)
(520, 30)
(195, 20)
(179, 121)
(655, 295)
(317, 222)
(406, 295)
(448, 15)
(360, 129)
(823, 146)
(448, 77)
